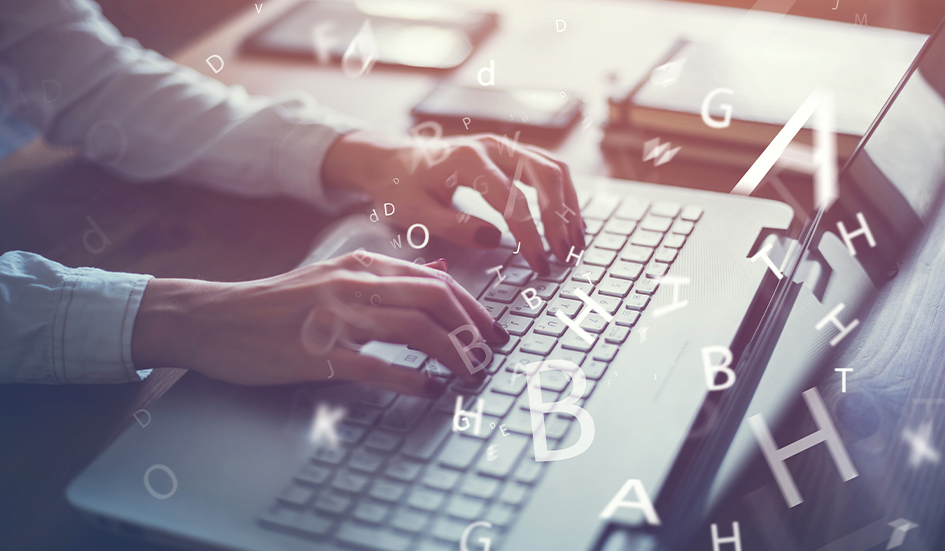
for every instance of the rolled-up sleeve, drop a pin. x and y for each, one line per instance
(66, 325)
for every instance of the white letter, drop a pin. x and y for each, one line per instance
(676, 304)
(391, 209)
(572, 255)
(474, 344)
(644, 504)
(323, 42)
(533, 301)
(735, 539)
(864, 230)
(426, 236)
(776, 457)
(575, 324)
(466, 121)
(491, 69)
(832, 317)
(361, 53)
(373, 216)
(464, 546)
(858, 21)
(363, 257)
(215, 70)
(458, 412)
(726, 108)
(397, 243)
(843, 377)
(900, 527)
(138, 419)
(820, 103)
(560, 28)
(95, 230)
(711, 370)
(539, 409)
(763, 254)
(326, 418)
(147, 481)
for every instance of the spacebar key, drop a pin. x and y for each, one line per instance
(368, 537)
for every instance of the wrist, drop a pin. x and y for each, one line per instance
(164, 333)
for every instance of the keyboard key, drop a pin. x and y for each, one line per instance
(297, 495)
(372, 537)
(362, 415)
(559, 272)
(647, 286)
(569, 289)
(427, 436)
(610, 241)
(370, 511)
(448, 529)
(568, 307)
(461, 386)
(350, 434)
(604, 352)
(509, 449)
(516, 276)
(665, 254)
(626, 270)
(313, 474)
(515, 325)
(467, 508)
(554, 380)
(615, 287)
(593, 323)
(349, 482)
(599, 257)
(405, 412)
(601, 206)
(426, 499)
(617, 334)
(441, 479)
(573, 356)
(330, 455)
(496, 364)
(379, 398)
(411, 359)
(537, 344)
(544, 289)
(636, 253)
(632, 209)
(674, 241)
(585, 274)
(657, 269)
(409, 521)
(504, 384)
(497, 405)
(691, 213)
(665, 208)
(529, 471)
(480, 486)
(646, 238)
(495, 309)
(401, 469)
(683, 227)
(555, 425)
(500, 515)
(502, 293)
(506, 348)
(386, 490)
(572, 341)
(383, 440)
(594, 370)
(608, 303)
(460, 452)
(521, 307)
(656, 223)
(332, 503)
(593, 226)
(636, 301)
(314, 523)
(553, 327)
(513, 493)
(280, 517)
(627, 318)
(620, 227)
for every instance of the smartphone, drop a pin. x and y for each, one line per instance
(536, 113)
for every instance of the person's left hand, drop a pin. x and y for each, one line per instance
(429, 171)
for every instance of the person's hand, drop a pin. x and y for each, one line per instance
(287, 328)
(428, 172)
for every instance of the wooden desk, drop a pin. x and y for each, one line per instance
(51, 433)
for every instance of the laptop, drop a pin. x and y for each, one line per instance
(231, 467)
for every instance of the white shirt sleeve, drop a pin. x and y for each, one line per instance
(73, 76)
(66, 325)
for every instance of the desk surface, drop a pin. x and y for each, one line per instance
(51, 433)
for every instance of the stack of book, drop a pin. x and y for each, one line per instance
(723, 104)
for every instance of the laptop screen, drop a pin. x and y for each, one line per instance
(896, 175)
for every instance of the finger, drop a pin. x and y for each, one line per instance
(548, 179)
(576, 224)
(502, 195)
(487, 325)
(368, 369)
(415, 328)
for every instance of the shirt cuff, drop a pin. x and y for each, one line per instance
(93, 327)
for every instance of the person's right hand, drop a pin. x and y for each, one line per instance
(287, 328)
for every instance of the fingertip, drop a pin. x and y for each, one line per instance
(434, 387)
(541, 261)
(501, 335)
(487, 236)
(439, 264)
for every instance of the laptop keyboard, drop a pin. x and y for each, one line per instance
(403, 479)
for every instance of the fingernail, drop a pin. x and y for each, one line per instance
(543, 268)
(434, 387)
(578, 239)
(439, 261)
(501, 332)
(487, 236)
(583, 225)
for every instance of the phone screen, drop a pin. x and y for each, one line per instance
(536, 107)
